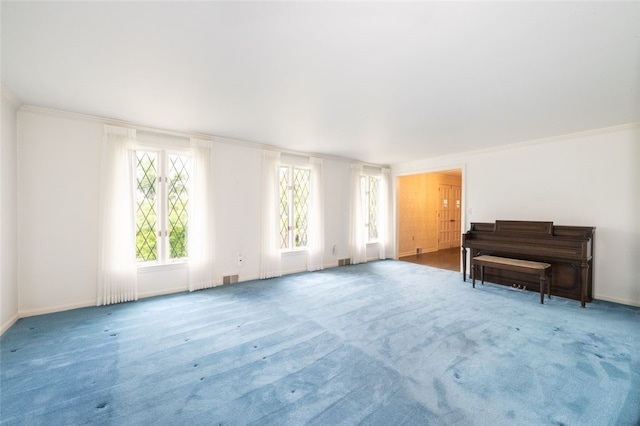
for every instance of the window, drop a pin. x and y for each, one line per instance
(162, 206)
(370, 194)
(294, 191)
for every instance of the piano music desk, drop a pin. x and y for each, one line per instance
(526, 266)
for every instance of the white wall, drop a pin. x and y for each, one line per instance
(337, 179)
(8, 213)
(237, 171)
(59, 159)
(589, 179)
(58, 174)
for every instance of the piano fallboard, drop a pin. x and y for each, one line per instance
(569, 249)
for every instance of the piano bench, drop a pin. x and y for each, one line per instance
(526, 266)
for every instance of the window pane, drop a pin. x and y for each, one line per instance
(284, 207)
(178, 202)
(373, 208)
(301, 187)
(146, 218)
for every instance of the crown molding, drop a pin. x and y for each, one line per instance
(10, 96)
(213, 138)
(559, 138)
(458, 157)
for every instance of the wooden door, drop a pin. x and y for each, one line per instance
(444, 223)
(456, 213)
(449, 216)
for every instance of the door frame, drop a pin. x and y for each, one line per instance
(463, 198)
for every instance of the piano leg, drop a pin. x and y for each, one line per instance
(464, 264)
(584, 266)
(473, 274)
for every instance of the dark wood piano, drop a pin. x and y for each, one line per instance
(569, 250)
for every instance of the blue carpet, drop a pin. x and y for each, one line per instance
(385, 343)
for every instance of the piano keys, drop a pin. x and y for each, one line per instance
(569, 250)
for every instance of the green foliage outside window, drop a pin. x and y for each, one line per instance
(178, 201)
(146, 217)
(148, 226)
(294, 207)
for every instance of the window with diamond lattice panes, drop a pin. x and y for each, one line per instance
(284, 207)
(370, 195)
(294, 207)
(301, 181)
(146, 216)
(178, 203)
(162, 207)
(373, 208)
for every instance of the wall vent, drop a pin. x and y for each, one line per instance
(344, 262)
(229, 279)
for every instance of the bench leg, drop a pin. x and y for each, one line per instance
(543, 280)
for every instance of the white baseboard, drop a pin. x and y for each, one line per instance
(9, 323)
(54, 309)
(163, 292)
(617, 300)
(413, 253)
(242, 279)
(293, 271)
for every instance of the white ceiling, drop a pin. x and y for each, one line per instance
(380, 82)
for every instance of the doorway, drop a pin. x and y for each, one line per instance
(429, 218)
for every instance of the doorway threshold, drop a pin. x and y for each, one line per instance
(448, 259)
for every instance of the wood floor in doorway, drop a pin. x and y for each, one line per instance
(444, 259)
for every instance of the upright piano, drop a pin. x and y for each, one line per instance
(569, 250)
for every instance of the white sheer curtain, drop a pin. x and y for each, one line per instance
(358, 239)
(201, 213)
(117, 272)
(270, 257)
(384, 214)
(315, 246)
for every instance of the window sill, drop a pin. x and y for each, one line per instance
(293, 252)
(154, 267)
